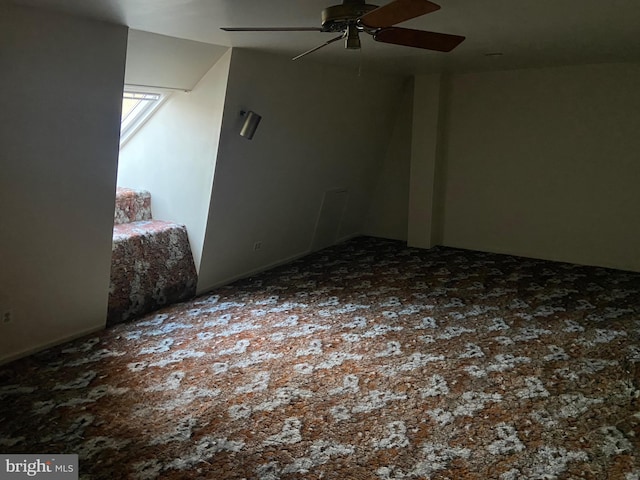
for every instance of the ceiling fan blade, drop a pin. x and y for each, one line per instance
(319, 47)
(441, 42)
(271, 29)
(396, 12)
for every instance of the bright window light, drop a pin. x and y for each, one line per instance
(137, 107)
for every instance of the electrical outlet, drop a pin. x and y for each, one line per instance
(257, 246)
(7, 317)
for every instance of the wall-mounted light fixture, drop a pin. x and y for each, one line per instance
(250, 125)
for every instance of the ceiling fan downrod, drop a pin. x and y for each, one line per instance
(352, 39)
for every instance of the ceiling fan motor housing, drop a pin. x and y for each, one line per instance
(353, 17)
(338, 17)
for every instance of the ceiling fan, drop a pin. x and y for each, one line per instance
(355, 16)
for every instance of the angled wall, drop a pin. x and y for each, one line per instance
(173, 155)
(323, 129)
(60, 101)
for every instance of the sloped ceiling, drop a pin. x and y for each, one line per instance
(527, 33)
(161, 61)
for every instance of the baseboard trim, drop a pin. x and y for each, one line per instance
(545, 256)
(255, 271)
(268, 266)
(32, 350)
(346, 238)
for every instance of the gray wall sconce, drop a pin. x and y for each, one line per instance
(250, 125)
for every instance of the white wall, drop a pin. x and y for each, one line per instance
(545, 163)
(322, 129)
(174, 154)
(387, 216)
(61, 95)
(424, 226)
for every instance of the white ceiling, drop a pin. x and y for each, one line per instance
(527, 32)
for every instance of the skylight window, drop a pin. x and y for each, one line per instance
(137, 107)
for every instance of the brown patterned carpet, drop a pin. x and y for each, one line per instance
(368, 360)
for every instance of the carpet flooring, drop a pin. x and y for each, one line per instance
(368, 360)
